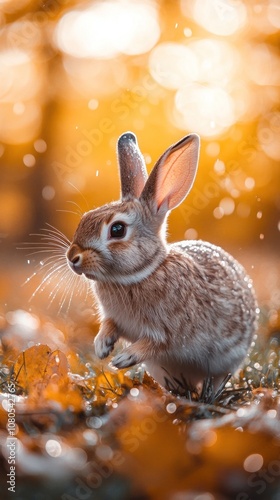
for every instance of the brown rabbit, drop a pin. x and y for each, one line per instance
(187, 309)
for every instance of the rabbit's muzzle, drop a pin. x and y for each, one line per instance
(75, 258)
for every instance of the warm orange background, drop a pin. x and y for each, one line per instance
(74, 75)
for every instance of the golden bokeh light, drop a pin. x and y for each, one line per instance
(209, 110)
(20, 87)
(18, 76)
(265, 16)
(173, 65)
(85, 75)
(269, 133)
(103, 30)
(218, 17)
(9, 6)
(74, 75)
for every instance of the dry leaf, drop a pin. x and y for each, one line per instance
(43, 374)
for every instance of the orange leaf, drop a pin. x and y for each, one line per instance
(31, 366)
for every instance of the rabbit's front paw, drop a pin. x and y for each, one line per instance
(103, 346)
(124, 359)
(106, 338)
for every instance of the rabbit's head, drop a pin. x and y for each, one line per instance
(124, 241)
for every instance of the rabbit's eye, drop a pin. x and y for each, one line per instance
(118, 230)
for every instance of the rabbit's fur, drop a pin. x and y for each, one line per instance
(187, 309)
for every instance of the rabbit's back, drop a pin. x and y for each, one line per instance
(220, 315)
(223, 288)
(225, 280)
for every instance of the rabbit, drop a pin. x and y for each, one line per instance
(188, 310)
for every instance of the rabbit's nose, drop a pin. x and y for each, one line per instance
(75, 258)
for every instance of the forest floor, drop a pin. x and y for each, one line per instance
(74, 428)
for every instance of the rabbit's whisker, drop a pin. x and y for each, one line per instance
(54, 238)
(76, 205)
(53, 268)
(46, 278)
(79, 214)
(56, 252)
(81, 194)
(56, 231)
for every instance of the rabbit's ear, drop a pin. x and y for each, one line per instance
(132, 168)
(173, 175)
